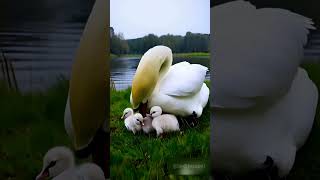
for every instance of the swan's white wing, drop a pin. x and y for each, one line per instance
(183, 79)
(255, 52)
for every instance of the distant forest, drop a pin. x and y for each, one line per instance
(191, 42)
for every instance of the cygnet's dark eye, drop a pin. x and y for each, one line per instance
(137, 119)
(52, 163)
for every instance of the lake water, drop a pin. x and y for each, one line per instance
(123, 69)
(40, 52)
(40, 37)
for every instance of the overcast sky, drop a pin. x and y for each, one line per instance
(137, 18)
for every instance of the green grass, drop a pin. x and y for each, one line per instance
(142, 156)
(30, 125)
(192, 55)
(176, 55)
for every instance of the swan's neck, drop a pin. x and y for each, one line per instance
(154, 65)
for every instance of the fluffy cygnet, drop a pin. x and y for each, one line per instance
(58, 163)
(134, 122)
(163, 122)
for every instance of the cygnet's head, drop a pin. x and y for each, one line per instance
(56, 160)
(126, 113)
(138, 119)
(155, 111)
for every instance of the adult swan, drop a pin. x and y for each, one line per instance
(179, 89)
(263, 103)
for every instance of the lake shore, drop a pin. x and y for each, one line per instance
(175, 55)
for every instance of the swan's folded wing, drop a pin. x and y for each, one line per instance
(183, 79)
(255, 52)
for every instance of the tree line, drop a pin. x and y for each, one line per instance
(191, 42)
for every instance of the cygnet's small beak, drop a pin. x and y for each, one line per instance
(43, 175)
(121, 117)
(142, 123)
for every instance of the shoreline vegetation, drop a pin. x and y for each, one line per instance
(190, 42)
(175, 55)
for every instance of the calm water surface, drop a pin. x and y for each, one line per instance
(123, 69)
(40, 39)
(40, 52)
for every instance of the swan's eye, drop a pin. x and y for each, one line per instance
(137, 119)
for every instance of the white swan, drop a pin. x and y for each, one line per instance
(58, 163)
(178, 89)
(263, 103)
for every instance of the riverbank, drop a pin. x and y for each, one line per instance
(175, 55)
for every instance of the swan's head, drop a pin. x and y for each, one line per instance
(153, 65)
(155, 111)
(56, 160)
(126, 113)
(138, 119)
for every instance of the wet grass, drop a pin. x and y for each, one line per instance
(143, 156)
(30, 125)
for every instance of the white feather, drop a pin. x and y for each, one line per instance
(181, 106)
(183, 79)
